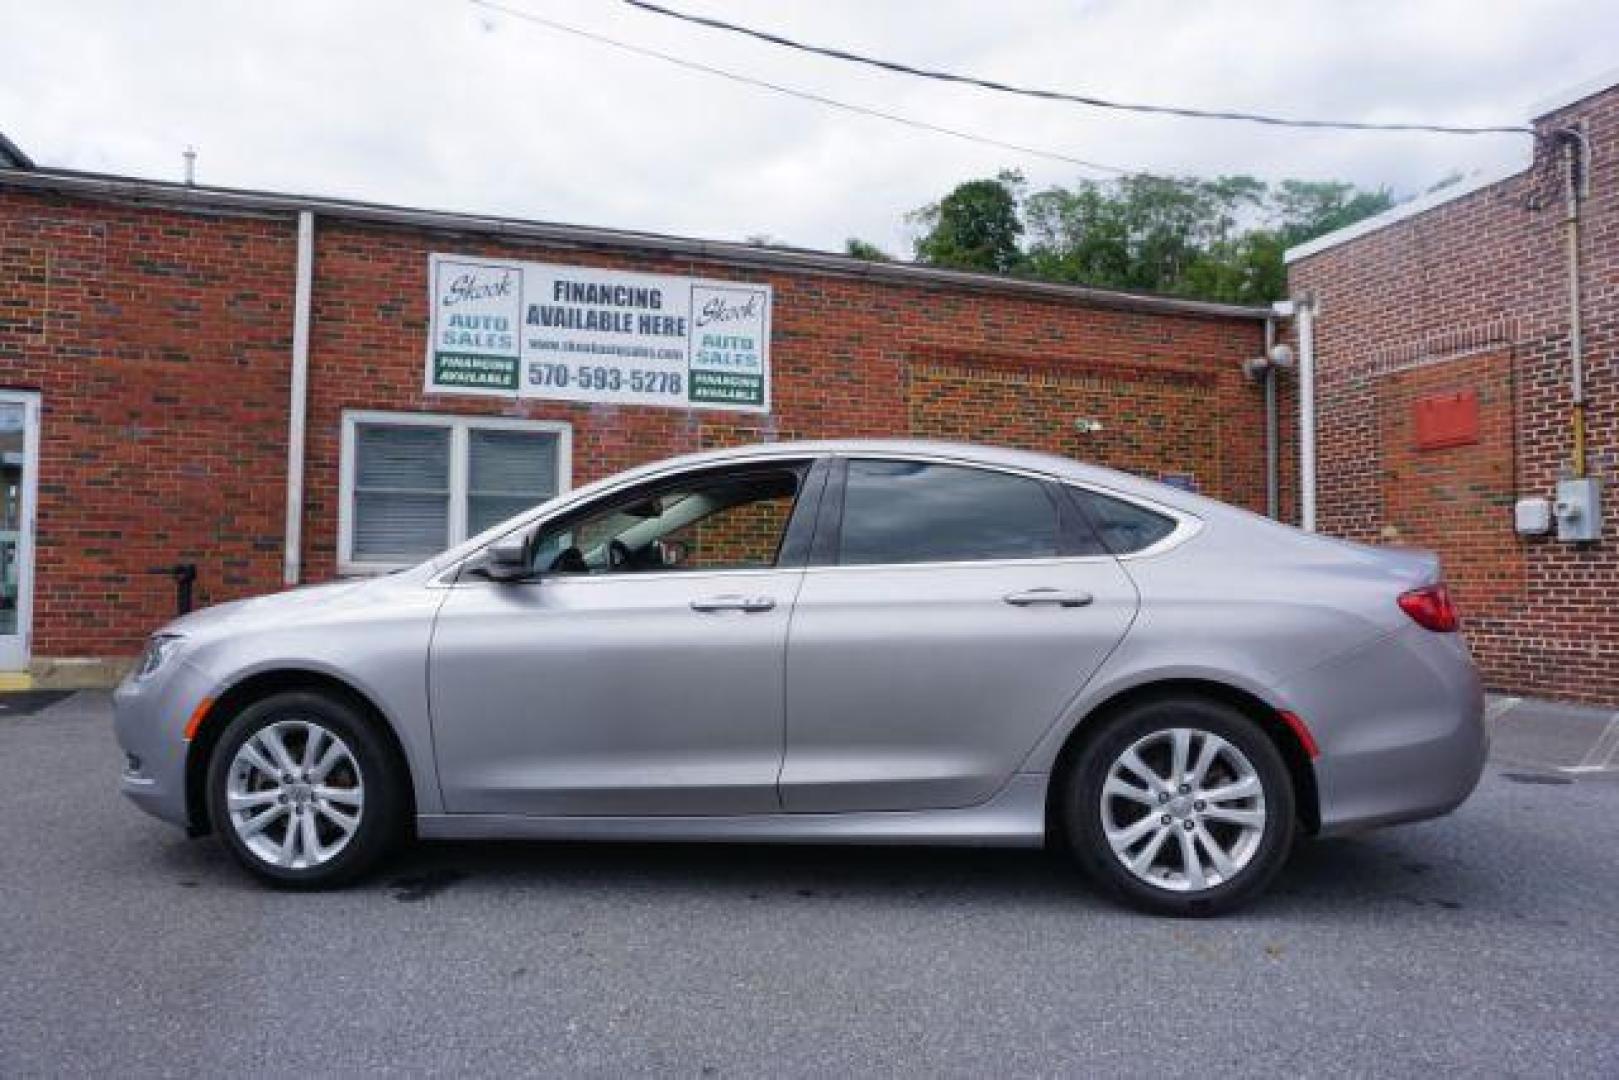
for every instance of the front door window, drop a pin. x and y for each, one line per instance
(730, 521)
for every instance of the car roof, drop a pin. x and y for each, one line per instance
(1034, 461)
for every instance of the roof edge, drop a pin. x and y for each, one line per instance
(1411, 208)
(134, 189)
(1573, 95)
(1538, 110)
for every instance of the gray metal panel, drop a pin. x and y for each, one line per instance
(920, 686)
(611, 695)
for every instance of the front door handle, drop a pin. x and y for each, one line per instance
(1059, 597)
(734, 603)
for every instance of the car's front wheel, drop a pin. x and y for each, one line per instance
(1181, 806)
(304, 792)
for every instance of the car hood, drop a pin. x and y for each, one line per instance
(298, 603)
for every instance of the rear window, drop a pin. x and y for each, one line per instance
(911, 511)
(1126, 527)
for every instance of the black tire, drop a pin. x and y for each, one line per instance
(382, 774)
(1083, 813)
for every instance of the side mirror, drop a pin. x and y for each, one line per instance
(509, 560)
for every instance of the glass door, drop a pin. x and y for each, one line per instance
(19, 452)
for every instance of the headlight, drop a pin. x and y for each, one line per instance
(159, 647)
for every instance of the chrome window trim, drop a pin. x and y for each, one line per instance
(1187, 524)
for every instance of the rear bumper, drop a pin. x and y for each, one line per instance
(1400, 724)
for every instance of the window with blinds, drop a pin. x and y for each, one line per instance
(401, 492)
(508, 472)
(414, 485)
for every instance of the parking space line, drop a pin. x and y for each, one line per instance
(1602, 753)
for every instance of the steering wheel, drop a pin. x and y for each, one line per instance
(618, 554)
(570, 561)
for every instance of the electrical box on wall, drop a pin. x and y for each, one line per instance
(1532, 517)
(1579, 510)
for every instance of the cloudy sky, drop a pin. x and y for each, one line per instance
(444, 104)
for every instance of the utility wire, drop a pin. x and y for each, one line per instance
(862, 110)
(1058, 95)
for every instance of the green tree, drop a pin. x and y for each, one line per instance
(1307, 209)
(975, 227)
(1144, 232)
(864, 249)
(1219, 239)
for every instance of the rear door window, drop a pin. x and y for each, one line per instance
(912, 511)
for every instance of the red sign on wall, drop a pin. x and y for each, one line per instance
(1446, 420)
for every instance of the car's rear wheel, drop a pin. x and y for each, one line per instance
(304, 791)
(1180, 806)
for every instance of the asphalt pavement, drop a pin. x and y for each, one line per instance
(1486, 942)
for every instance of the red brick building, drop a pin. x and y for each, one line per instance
(1445, 354)
(157, 350)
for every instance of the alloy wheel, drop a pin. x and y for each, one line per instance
(295, 794)
(1183, 809)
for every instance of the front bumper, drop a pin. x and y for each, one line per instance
(149, 720)
(1400, 724)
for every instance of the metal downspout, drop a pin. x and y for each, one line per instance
(1304, 308)
(298, 407)
(1273, 500)
(1574, 183)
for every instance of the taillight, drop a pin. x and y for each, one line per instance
(1431, 608)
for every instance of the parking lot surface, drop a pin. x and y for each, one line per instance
(1485, 942)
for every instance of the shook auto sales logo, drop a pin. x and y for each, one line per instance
(475, 337)
(729, 333)
(469, 286)
(725, 309)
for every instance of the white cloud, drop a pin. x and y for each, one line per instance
(441, 104)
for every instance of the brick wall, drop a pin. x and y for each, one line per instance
(159, 343)
(1471, 295)
(160, 340)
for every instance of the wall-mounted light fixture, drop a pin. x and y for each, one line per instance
(1087, 425)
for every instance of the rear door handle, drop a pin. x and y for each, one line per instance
(1059, 597)
(734, 603)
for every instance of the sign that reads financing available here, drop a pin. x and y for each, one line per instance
(575, 333)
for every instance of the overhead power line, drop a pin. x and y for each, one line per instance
(1075, 99)
(820, 99)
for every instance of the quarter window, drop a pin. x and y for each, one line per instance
(909, 511)
(413, 485)
(1125, 527)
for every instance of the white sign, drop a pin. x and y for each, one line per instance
(574, 333)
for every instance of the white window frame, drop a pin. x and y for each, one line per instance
(460, 428)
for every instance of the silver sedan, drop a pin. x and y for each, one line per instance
(842, 642)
